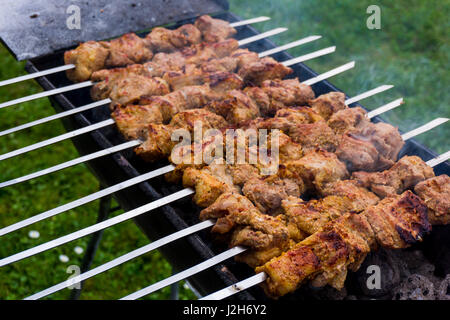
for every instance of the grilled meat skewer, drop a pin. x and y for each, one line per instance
(116, 83)
(220, 97)
(130, 48)
(342, 244)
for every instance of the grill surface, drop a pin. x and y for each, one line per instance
(125, 165)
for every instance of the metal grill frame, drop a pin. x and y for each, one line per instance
(113, 169)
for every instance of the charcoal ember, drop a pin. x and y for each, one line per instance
(329, 293)
(437, 249)
(412, 260)
(443, 292)
(391, 270)
(415, 287)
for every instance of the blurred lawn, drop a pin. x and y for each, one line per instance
(411, 51)
(24, 200)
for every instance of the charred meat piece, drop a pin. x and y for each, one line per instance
(403, 175)
(264, 69)
(286, 273)
(373, 147)
(399, 221)
(328, 104)
(343, 243)
(311, 216)
(214, 30)
(435, 192)
(87, 58)
(323, 257)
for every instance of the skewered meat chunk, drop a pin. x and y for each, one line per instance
(315, 135)
(262, 191)
(372, 147)
(203, 52)
(107, 79)
(208, 188)
(289, 271)
(399, 221)
(263, 69)
(237, 216)
(435, 192)
(267, 193)
(220, 82)
(132, 120)
(303, 125)
(189, 97)
(87, 58)
(236, 107)
(128, 49)
(361, 197)
(130, 89)
(159, 144)
(328, 104)
(403, 175)
(277, 94)
(214, 30)
(166, 40)
(348, 118)
(311, 216)
(351, 237)
(316, 168)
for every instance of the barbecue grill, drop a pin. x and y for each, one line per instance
(117, 167)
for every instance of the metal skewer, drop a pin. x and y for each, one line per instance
(186, 273)
(109, 122)
(72, 66)
(106, 101)
(90, 83)
(124, 258)
(426, 127)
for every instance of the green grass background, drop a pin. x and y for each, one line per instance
(410, 51)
